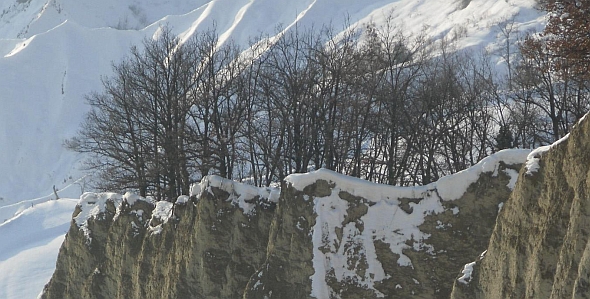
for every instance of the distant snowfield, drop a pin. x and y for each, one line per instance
(53, 52)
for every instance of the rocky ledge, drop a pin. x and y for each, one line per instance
(321, 235)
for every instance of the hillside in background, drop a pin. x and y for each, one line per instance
(52, 53)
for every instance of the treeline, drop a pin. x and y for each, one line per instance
(369, 103)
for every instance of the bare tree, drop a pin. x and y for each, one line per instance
(137, 127)
(385, 107)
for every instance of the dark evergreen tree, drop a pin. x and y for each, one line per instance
(504, 139)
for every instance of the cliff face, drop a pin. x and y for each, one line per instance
(325, 236)
(540, 246)
(133, 248)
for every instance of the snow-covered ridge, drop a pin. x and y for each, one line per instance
(347, 229)
(385, 220)
(92, 206)
(450, 187)
(532, 162)
(534, 157)
(246, 197)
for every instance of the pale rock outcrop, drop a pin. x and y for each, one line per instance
(326, 236)
(540, 246)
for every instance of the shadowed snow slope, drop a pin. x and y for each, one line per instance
(53, 52)
(29, 243)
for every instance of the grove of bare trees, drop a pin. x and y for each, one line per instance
(371, 103)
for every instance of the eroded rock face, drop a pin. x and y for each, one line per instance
(540, 246)
(327, 236)
(375, 241)
(204, 247)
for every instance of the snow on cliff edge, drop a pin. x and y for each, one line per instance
(384, 220)
(30, 241)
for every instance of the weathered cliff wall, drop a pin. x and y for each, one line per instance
(326, 236)
(199, 247)
(540, 246)
(372, 241)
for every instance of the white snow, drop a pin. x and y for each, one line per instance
(450, 187)
(53, 52)
(160, 215)
(183, 199)
(163, 210)
(467, 271)
(513, 174)
(93, 206)
(247, 197)
(331, 212)
(22, 235)
(384, 221)
(131, 198)
(29, 243)
(453, 186)
(533, 158)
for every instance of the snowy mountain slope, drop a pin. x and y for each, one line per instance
(54, 52)
(26, 18)
(29, 243)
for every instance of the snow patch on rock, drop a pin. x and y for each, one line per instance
(533, 158)
(467, 272)
(92, 206)
(244, 196)
(384, 220)
(453, 186)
